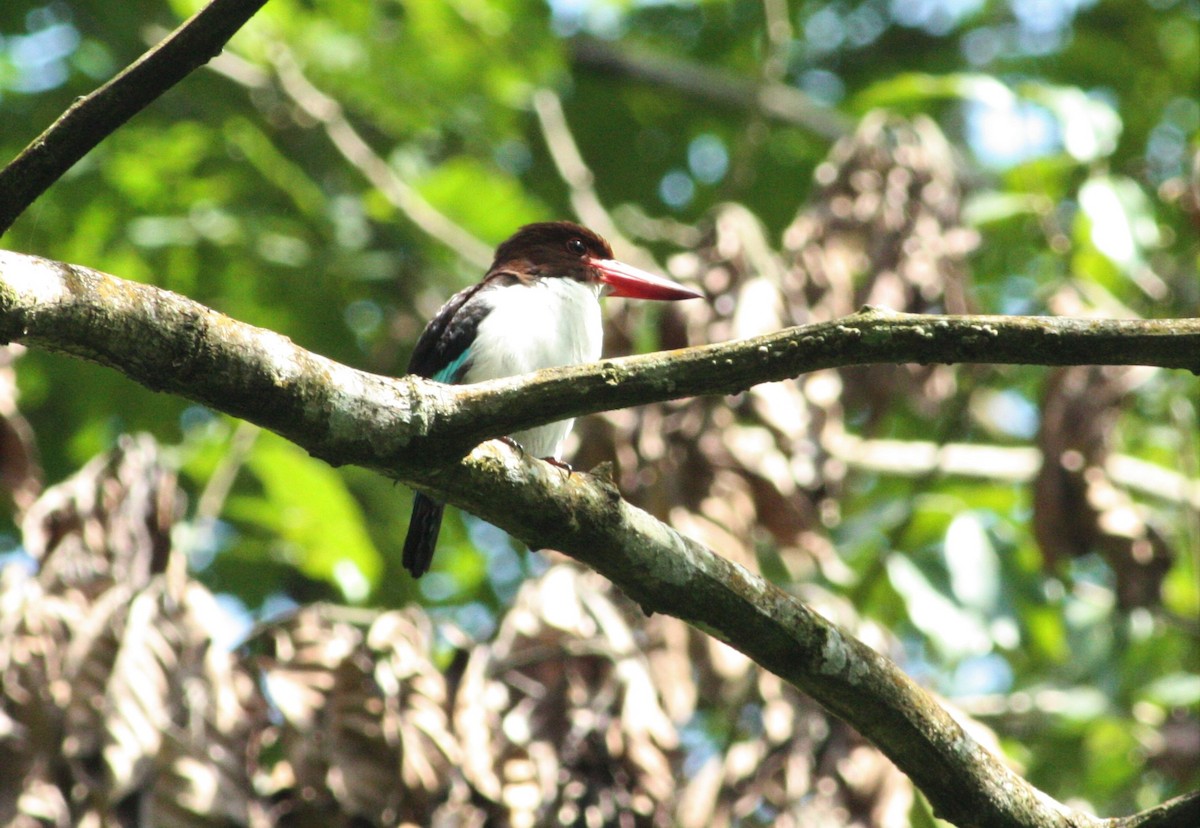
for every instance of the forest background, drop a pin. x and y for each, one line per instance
(344, 167)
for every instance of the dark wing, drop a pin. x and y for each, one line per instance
(447, 336)
(441, 352)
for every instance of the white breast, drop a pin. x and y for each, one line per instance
(547, 323)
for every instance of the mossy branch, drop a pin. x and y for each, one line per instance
(415, 431)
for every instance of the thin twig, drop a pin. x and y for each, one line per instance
(579, 178)
(216, 491)
(382, 175)
(571, 166)
(775, 100)
(780, 37)
(355, 150)
(1010, 464)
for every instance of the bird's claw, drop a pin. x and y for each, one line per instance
(560, 465)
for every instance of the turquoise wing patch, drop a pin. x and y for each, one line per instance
(452, 373)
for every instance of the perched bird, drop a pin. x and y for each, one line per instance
(537, 307)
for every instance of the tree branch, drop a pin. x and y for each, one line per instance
(572, 169)
(1180, 812)
(776, 100)
(326, 111)
(92, 118)
(354, 148)
(170, 343)
(872, 336)
(580, 180)
(585, 517)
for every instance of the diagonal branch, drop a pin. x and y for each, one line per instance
(584, 516)
(170, 343)
(92, 118)
(330, 114)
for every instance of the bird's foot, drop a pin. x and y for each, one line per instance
(512, 443)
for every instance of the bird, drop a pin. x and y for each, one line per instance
(538, 306)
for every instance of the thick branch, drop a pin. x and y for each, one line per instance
(873, 335)
(584, 516)
(170, 343)
(1181, 812)
(90, 119)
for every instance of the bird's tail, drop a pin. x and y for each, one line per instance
(422, 537)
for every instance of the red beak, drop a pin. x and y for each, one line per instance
(629, 281)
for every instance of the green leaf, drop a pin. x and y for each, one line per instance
(972, 563)
(955, 631)
(919, 87)
(481, 197)
(1174, 690)
(1119, 218)
(305, 505)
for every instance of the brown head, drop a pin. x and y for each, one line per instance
(562, 248)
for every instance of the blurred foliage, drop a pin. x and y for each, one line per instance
(1076, 127)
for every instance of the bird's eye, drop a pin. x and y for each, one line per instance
(577, 247)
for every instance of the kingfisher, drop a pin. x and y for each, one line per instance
(537, 307)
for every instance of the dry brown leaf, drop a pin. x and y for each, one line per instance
(109, 523)
(366, 731)
(559, 719)
(884, 229)
(1078, 508)
(110, 678)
